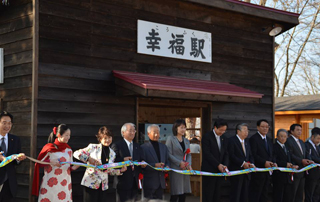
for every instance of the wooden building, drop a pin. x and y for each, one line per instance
(304, 110)
(73, 61)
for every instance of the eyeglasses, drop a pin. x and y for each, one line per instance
(132, 131)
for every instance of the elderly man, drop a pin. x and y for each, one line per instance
(313, 179)
(282, 157)
(261, 148)
(9, 144)
(240, 158)
(125, 150)
(156, 154)
(300, 157)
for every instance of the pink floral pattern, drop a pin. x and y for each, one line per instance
(55, 180)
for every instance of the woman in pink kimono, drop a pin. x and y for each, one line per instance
(95, 181)
(56, 183)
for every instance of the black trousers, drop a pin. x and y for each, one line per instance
(239, 188)
(153, 193)
(178, 198)
(280, 182)
(97, 195)
(211, 188)
(259, 186)
(128, 194)
(296, 189)
(310, 190)
(5, 194)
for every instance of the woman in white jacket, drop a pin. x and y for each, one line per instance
(95, 181)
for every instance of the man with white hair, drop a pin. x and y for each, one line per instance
(157, 155)
(125, 150)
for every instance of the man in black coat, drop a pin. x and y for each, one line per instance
(300, 157)
(240, 157)
(214, 159)
(157, 155)
(9, 144)
(125, 150)
(313, 178)
(282, 157)
(261, 148)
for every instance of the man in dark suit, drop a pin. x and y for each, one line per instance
(300, 157)
(261, 148)
(125, 150)
(9, 144)
(313, 178)
(282, 157)
(214, 159)
(240, 157)
(156, 154)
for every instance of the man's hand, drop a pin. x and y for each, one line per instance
(306, 162)
(144, 165)
(128, 158)
(289, 165)
(252, 165)
(222, 168)
(268, 164)
(159, 165)
(274, 165)
(246, 165)
(295, 167)
(21, 157)
(2, 157)
(123, 169)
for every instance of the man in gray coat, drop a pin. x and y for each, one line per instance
(156, 154)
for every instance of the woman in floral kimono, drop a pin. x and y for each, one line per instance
(95, 181)
(56, 183)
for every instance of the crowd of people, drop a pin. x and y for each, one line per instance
(219, 155)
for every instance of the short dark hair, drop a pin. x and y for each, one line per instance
(315, 131)
(103, 131)
(219, 123)
(293, 126)
(176, 124)
(282, 130)
(5, 113)
(262, 120)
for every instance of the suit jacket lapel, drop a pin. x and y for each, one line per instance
(297, 146)
(153, 152)
(213, 136)
(125, 148)
(10, 144)
(240, 146)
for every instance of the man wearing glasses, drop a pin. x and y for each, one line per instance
(261, 148)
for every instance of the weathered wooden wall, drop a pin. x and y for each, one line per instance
(16, 23)
(81, 42)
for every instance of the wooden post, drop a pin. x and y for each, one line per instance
(34, 106)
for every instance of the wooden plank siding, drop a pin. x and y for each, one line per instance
(16, 23)
(81, 42)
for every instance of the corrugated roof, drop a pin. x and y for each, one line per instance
(155, 82)
(297, 103)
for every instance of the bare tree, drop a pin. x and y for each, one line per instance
(297, 63)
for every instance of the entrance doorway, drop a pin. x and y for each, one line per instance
(164, 112)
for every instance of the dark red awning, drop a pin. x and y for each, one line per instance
(165, 83)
